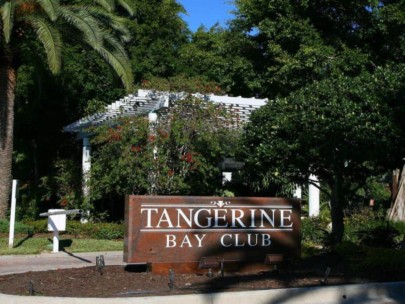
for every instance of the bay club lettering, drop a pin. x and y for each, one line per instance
(173, 225)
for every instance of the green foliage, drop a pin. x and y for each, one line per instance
(101, 231)
(367, 216)
(65, 186)
(218, 55)
(336, 124)
(86, 78)
(374, 188)
(379, 263)
(177, 155)
(158, 33)
(295, 43)
(365, 226)
(380, 236)
(314, 231)
(32, 33)
(46, 20)
(382, 263)
(341, 129)
(37, 226)
(336, 95)
(19, 227)
(181, 83)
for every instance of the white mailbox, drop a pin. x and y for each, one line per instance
(56, 222)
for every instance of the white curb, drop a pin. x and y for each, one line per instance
(360, 293)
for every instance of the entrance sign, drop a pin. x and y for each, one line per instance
(179, 229)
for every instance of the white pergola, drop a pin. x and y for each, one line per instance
(147, 101)
(144, 102)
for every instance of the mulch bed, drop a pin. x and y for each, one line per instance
(120, 281)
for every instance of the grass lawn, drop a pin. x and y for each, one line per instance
(35, 245)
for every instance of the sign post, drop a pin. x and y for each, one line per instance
(182, 232)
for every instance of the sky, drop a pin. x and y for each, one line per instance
(206, 12)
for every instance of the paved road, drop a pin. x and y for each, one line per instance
(49, 261)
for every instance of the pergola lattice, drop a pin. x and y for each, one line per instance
(147, 101)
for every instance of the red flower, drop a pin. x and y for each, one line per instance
(63, 202)
(136, 149)
(188, 157)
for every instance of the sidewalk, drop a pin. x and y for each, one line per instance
(50, 261)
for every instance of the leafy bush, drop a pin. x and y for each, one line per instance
(110, 231)
(314, 230)
(383, 235)
(381, 262)
(363, 222)
(18, 227)
(37, 226)
(105, 231)
(102, 231)
(371, 262)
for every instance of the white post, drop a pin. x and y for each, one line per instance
(86, 165)
(152, 117)
(56, 223)
(55, 241)
(313, 196)
(226, 177)
(12, 213)
(297, 192)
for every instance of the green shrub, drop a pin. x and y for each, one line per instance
(383, 235)
(381, 263)
(400, 226)
(110, 232)
(105, 231)
(37, 226)
(18, 227)
(368, 226)
(102, 231)
(313, 230)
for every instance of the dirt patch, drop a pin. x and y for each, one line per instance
(120, 281)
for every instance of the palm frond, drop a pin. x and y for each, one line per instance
(120, 64)
(112, 21)
(50, 39)
(82, 20)
(51, 7)
(108, 5)
(128, 5)
(7, 17)
(115, 45)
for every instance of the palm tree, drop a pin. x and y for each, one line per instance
(94, 23)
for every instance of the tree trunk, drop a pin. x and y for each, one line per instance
(337, 211)
(7, 96)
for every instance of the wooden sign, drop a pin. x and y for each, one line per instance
(178, 229)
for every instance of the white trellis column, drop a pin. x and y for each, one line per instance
(313, 196)
(86, 165)
(152, 118)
